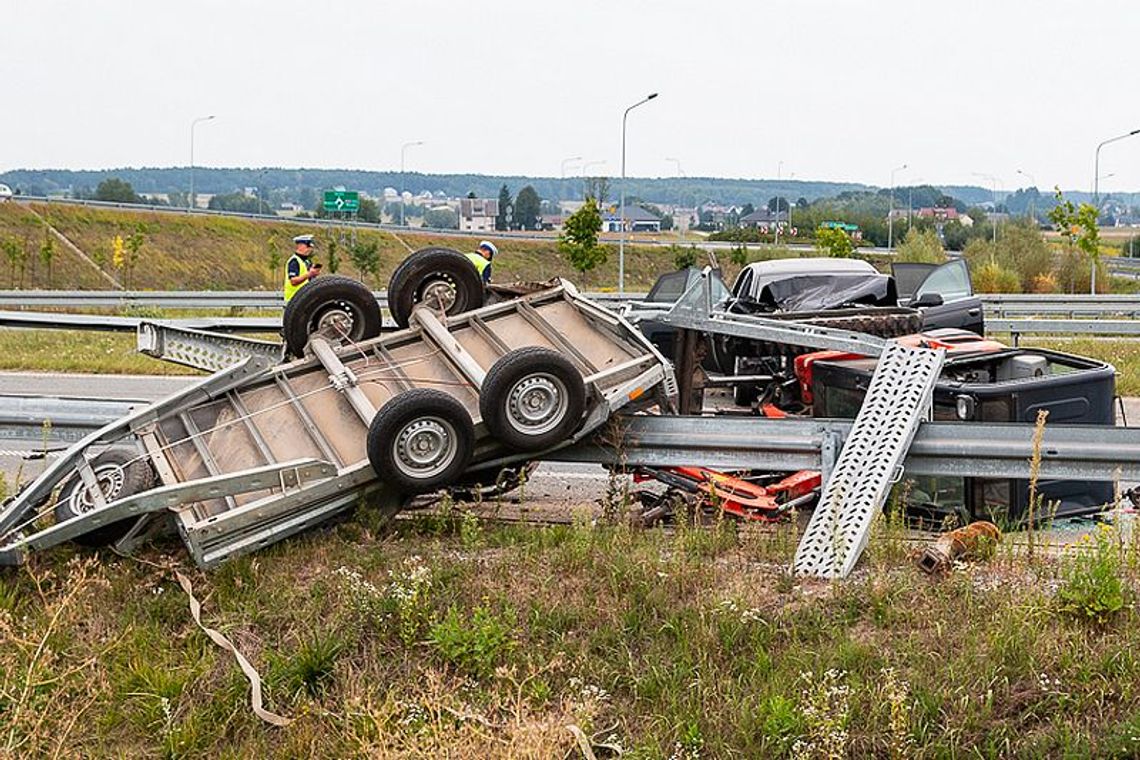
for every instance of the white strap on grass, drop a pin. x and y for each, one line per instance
(243, 663)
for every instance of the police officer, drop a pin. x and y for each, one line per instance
(300, 267)
(481, 259)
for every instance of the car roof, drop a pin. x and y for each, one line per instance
(815, 265)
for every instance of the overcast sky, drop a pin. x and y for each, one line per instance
(837, 90)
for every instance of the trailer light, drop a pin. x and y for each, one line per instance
(967, 406)
(636, 393)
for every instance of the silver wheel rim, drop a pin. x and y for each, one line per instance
(439, 294)
(425, 447)
(336, 320)
(537, 404)
(110, 478)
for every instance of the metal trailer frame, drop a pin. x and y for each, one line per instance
(253, 506)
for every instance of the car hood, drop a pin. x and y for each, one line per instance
(832, 291)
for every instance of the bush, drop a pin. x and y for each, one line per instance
(991, 277)
(834, 243)
(1092, 589)
(475, 644)
(683, 258)
(921, 247)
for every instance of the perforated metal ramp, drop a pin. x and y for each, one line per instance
(898, 398)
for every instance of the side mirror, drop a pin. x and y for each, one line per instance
(927, 299)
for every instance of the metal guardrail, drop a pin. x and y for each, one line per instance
(961, 449)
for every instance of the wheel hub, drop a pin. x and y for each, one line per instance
(337, 321)
(425, 447)
(438, 294)
(537, 403)
(110, 480)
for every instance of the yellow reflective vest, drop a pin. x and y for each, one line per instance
(290, 288)
(481, 265)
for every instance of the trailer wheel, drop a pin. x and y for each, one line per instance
(341, 307)
(120, 473)
(420, 440)
(532, 398)
(439, 277)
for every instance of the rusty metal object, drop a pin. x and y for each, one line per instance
(971, 541)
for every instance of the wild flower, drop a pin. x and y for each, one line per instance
(896, 694)
(826, 709)
(408, 588)
(364, 602)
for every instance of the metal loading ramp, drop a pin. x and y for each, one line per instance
(899, 397)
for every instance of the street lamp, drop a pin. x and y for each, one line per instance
(621, 218)
(566, 161)
(193, 198)
(562, 179)
(891, 212)
(1033, 184)
(403, 180)
(1096, 167)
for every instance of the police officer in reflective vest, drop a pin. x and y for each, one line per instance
(481, 259)
(300, 267)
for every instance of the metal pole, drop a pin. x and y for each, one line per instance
(1032, 207)
(621, 216)
(194, 123)
(680, 173)
(1096, 167)
(779, 171)
(562, 181)
(403, 179)
(891, 211)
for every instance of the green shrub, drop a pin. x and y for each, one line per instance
(1092, 588)
(476, 644)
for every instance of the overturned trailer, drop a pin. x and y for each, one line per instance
(262, 449)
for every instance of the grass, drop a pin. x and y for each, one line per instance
(691, 643)
(1122, 353)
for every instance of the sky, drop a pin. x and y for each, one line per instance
(811, 89)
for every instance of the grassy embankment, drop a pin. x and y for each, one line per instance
(457, 638)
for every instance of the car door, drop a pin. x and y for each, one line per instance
(943, 293)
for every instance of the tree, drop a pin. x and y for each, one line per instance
(1078, 227)
(920, 247)
(272, 258)
(239, 203)
(442, 218)
(778, 203)
(369, 211)
(834, 242)
(578, 241)
(47, 252)
(747, 209)
(115, 190)
(134, 244)
(503, 220)
(334, 260)
(365, 257)
(528, 209)
(12, 254)
(598, 188)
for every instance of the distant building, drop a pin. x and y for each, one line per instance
(937, 214)
(764, 218)
(637, 219)
(478, 214)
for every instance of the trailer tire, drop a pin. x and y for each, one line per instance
(325, 304)
(439, 274)
(120, 473)
(421, 440)
(532, 398)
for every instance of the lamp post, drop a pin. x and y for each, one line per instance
(403, 180)
(891, 211)
(562, 179)
(1096, 166)
(1033, 184)
(586, 179)
(194, 123)
(621, 218)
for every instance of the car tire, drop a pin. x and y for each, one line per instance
(121, 473)
(339, 305)
(441, 275)
(532, 398)
(420, 440)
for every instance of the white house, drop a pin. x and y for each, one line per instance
(478, 214)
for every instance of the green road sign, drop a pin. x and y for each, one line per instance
(342, 200)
